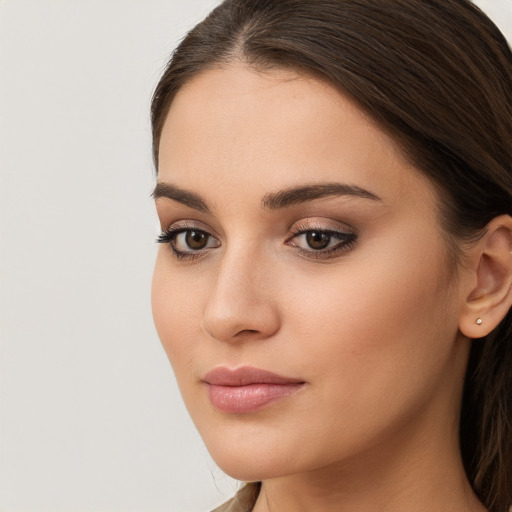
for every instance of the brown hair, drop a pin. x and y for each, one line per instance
(437, 76)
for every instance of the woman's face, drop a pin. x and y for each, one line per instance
(299, 241)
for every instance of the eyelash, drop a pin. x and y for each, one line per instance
(347, 240)
(169, 237)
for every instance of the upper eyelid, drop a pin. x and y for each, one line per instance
(316, 224)
(298, 227)
(185, 225)
(301, 231)
(342, 235)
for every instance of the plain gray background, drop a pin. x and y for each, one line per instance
(90, 416)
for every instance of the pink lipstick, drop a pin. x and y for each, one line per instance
(247, 389)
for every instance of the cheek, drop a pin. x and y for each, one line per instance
(368, 325)
(176, 313)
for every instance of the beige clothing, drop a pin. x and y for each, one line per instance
(244, 499)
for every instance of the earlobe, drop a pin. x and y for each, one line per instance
(490, 296)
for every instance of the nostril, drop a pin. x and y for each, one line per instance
(246, 332)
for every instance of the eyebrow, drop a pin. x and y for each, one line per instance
(305, 193)
(180, 195)
(272, 201)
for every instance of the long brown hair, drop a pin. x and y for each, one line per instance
(437, 76)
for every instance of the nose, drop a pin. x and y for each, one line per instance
(241, 304)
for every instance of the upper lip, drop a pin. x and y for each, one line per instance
(245, 375)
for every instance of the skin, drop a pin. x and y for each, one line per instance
(372, 330)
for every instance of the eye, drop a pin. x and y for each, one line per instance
(318, 239)
(321, 243)
(188, 242)
(193, 240)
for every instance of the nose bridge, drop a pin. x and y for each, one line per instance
(241, 301)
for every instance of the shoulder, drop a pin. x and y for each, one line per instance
(243, 501)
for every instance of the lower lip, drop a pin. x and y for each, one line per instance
(249, 398)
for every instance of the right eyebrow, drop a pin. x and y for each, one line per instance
(185, 197)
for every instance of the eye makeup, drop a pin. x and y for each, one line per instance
(318, 238)
(312, 238)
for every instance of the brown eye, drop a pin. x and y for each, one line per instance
(322, 243)
(191, 241)
(188, 243)
(318, 240)
(196, 240)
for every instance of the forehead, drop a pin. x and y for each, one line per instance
(270, 130)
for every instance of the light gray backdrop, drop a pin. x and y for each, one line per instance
(91, 419)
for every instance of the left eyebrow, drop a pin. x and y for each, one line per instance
(305, 193)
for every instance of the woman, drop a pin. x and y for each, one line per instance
(333, 288)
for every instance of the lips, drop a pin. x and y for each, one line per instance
(247, 389)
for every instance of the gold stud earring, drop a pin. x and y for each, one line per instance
(478, 321)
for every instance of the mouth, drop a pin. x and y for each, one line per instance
(247, 389)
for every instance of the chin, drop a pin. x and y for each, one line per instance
(246, 469)
(249, 458)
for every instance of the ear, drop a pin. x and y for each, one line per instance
(488, 296)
